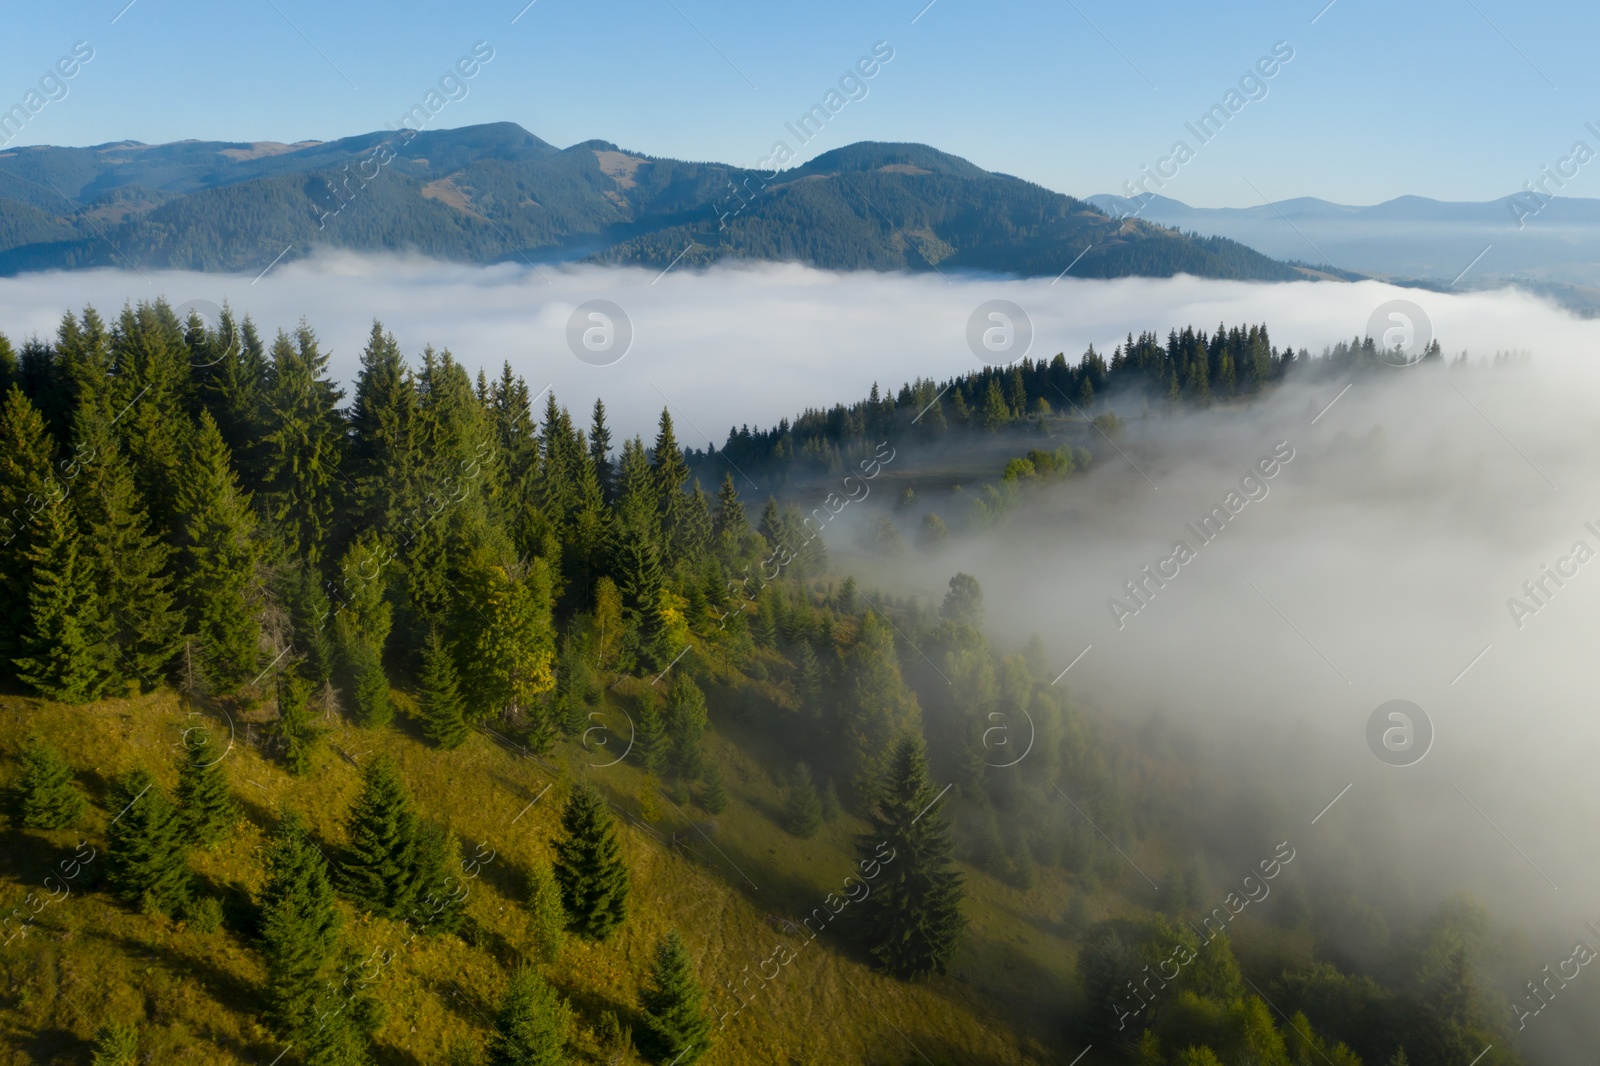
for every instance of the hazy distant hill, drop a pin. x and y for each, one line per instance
(496, 192)
(1557, 246)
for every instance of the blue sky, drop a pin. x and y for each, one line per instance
(1454, 99)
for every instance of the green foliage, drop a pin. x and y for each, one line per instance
(148, 853)
(589, 866)
(533, 1024)
(296, 734)
(443, 708)
(303, 444)
(511, 646)
(912, 921)
(380, 869)
(713, 797)
(64, 656)
(547, 917)
(47, 797)
(686, 723)
(650, 738)
(116, 1044)
(802, 810)
(204, 799)
(879, 708)
(216, 561)
(204, 914)
(673, 1027)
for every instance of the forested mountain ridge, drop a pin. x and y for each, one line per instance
(403, 725)
(495, 192)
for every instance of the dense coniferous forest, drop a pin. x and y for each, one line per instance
(277, 650)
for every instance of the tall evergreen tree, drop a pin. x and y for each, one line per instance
(686, 724)
(673, 1024)
(381, 867)
(878, 706)
(300, 939)
(64, 656)
(802, 810)
(47, 797)
(671, 475)
(294, 730)
(204, 799)
(511, 640)
(361, 628)
(589, 866)
(533, 1025)
(912, 922)
(443, 708)
(304, 445)
(151, 396)
(714, 796)
(547, 918)
(650, 738)
(600, 451)
(730, 524)
(637, 551)
(216, 561)
(140, 622)
(147, 857)
(26, 484)
(384, 425)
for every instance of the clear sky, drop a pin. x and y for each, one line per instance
(1454, 99)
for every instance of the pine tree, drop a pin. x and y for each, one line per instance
(310, 619)
(361, 628)
(116, 1044)
(64, 657)
(533, 1025)
(650, 738)
(216, 561)
(589, 866)
(443, 709)
(686, 722)
(878, 707)
(730, 524)
(671, 477)
(380, 870)
(673, 1024)
(802, 811)
(294, 729)
(384, 424)
(830, 803)
(148, 856)
(714, 796)
(439, 895)
(204, 799)
(369, 684)
(547, 918)
(47, 797)
(512, 644)
(140, 622)
(912, 922)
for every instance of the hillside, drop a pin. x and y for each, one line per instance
(496, 192)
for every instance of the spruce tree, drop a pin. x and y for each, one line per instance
(802, 811)
(299, 932)
(302, 594)
(380, 869)
(686, 723)
(729, 523)
(47, 797)
(26, 482)
(547, 918)
(147, 856)
(216, 561)
(671, 477)
(303, 445)
(589, 866)
(384, 425)
(714, 796)
(362, 627)
(443, 708)
(436, 888)
(533, 1024)
(116, 1044)
(511, 642)
(140, 621)
(204, 799)
(295, 732)
(650, 738)
(600, 451)
(912, 922)
(673, 1024)
(64, 656)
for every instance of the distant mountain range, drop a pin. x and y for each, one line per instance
(496, 193)
(1556, 249)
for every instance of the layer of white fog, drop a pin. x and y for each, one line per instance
(1378, 565)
